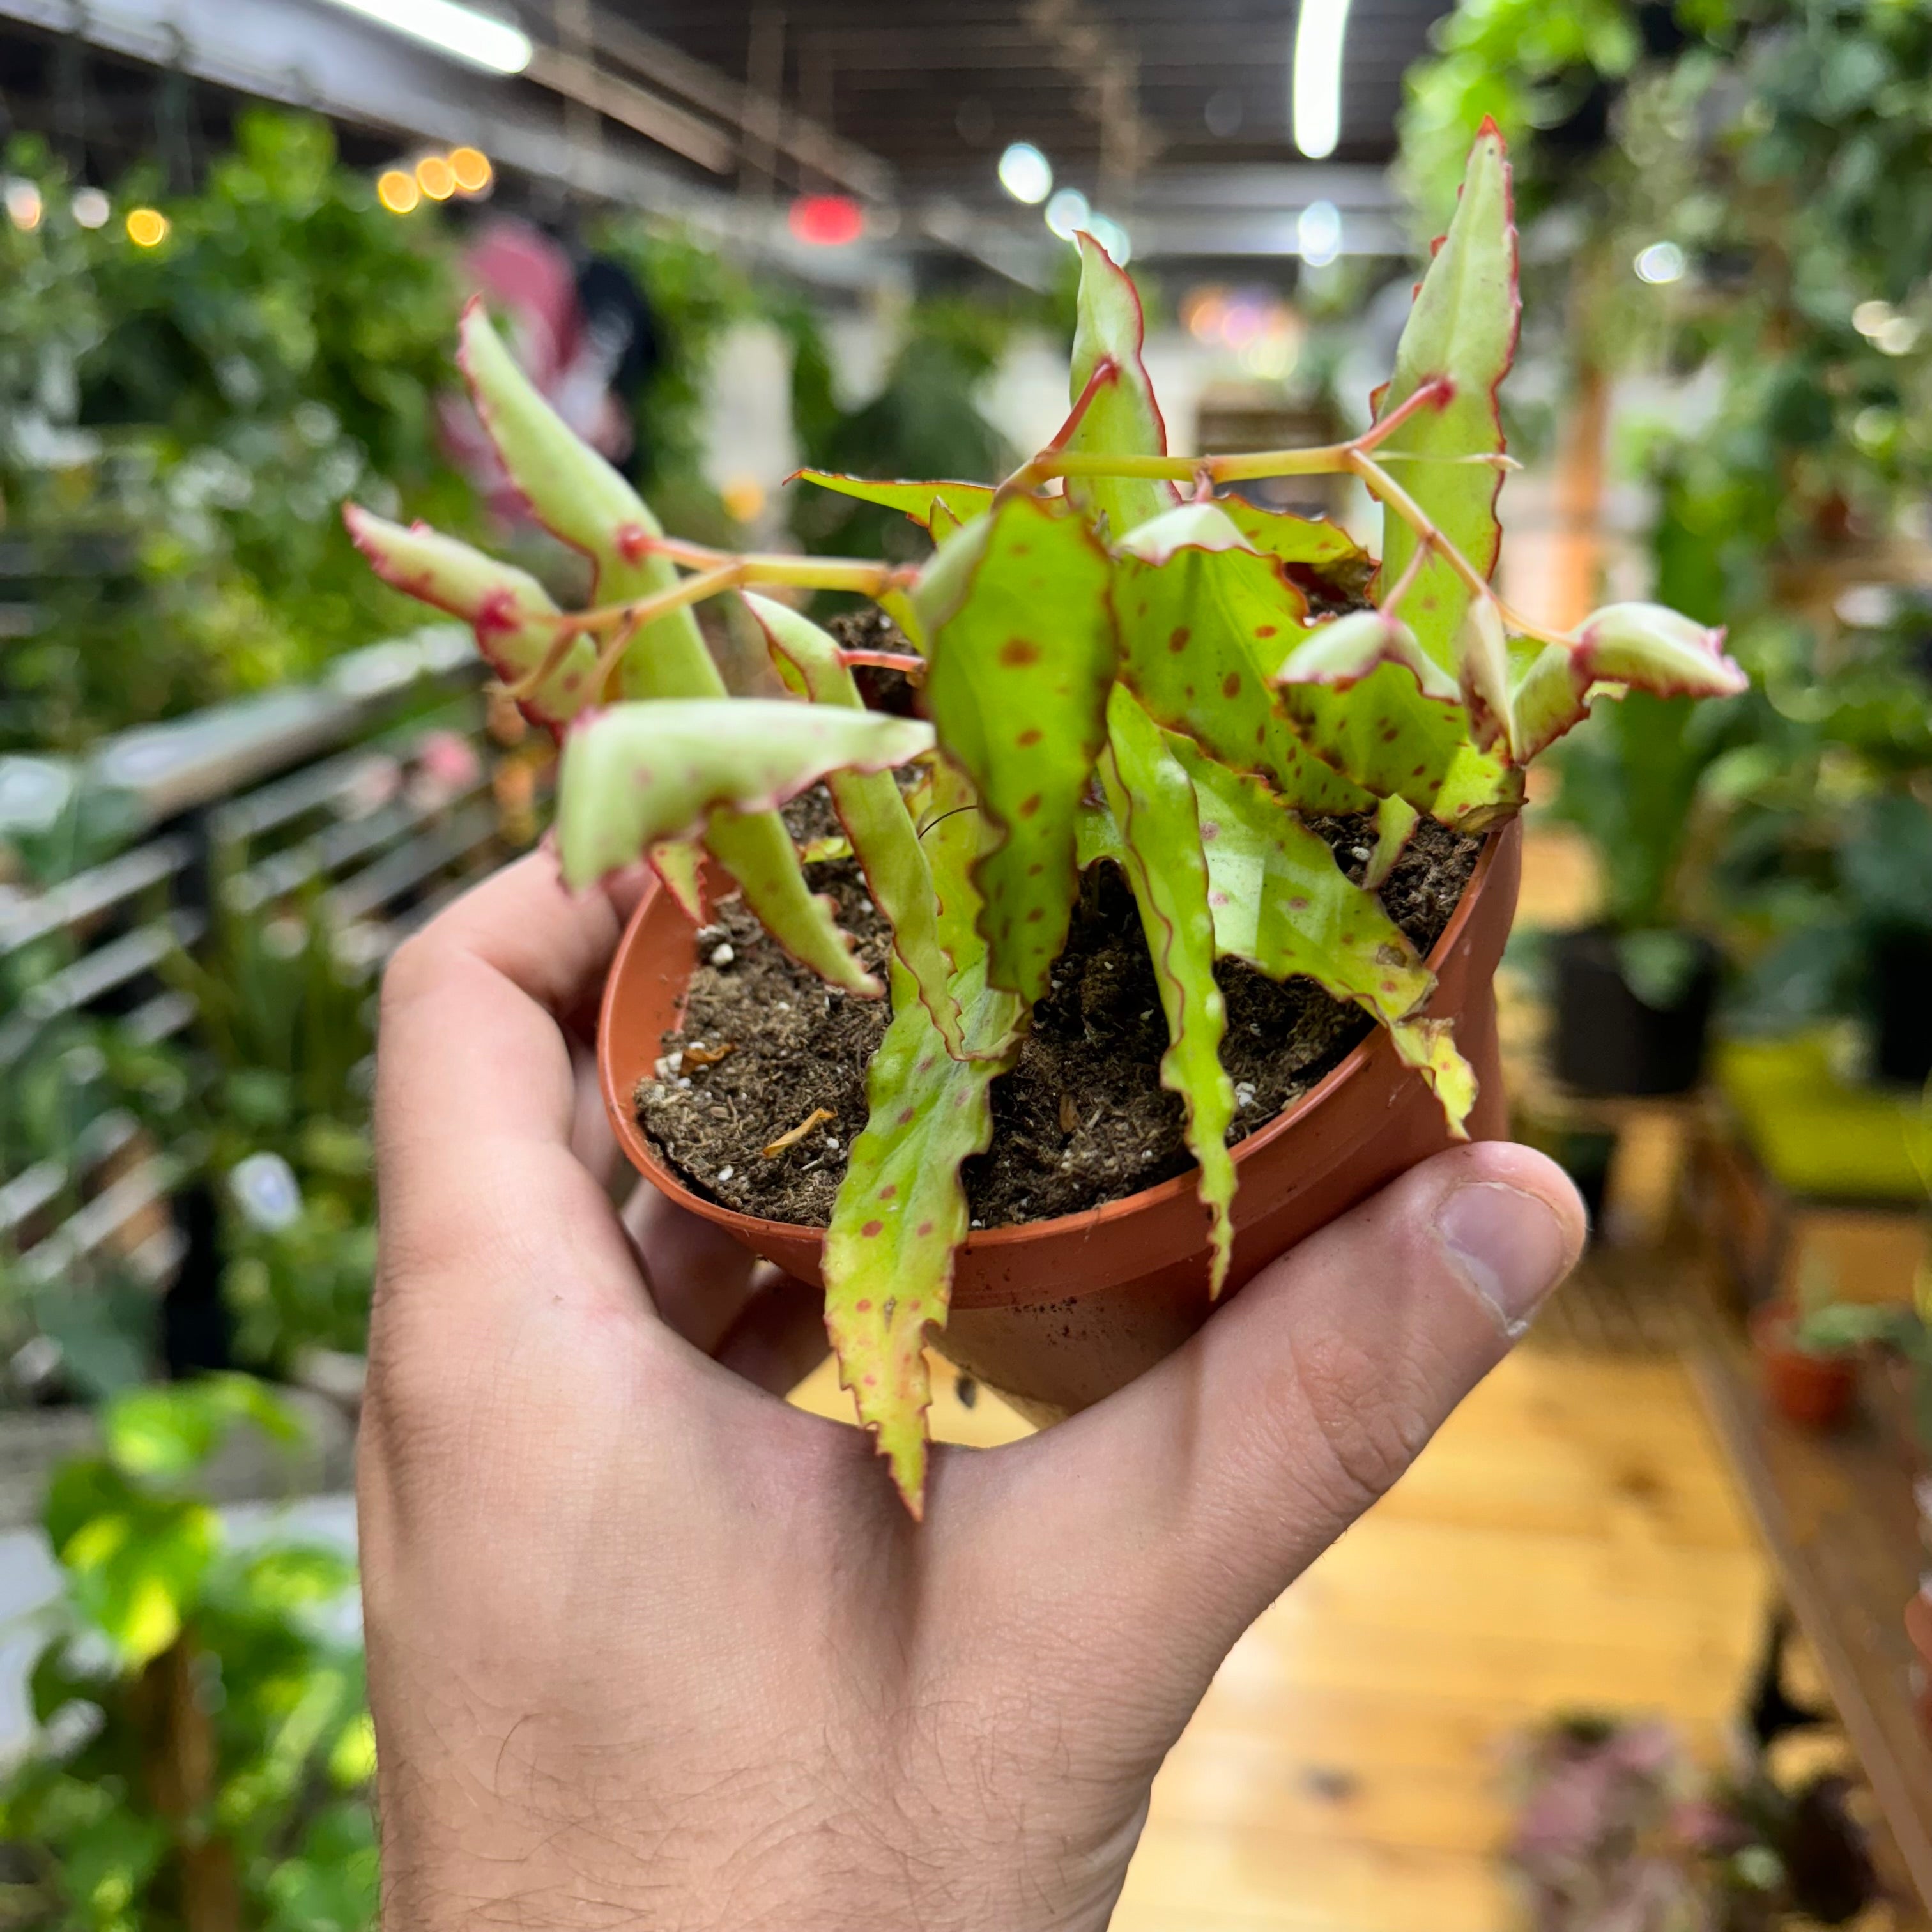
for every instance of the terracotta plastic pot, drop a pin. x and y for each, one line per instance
(1814, 1391)
(1056, 1314)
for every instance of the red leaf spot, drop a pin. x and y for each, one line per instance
(1031, 736)
(925, 1065)
(913, 1305)
(1017, 651)
(1218, 899)
(1388, 985)
(1390, 734)
(872, 1227)
(1036, 914)
(1177, 639)
(1417, 773)
(862, 1307)
(1231, 685)
(871, 1381)
(1140, 609)
(1260, 734)
(887, 1192)
(633, 541)
(1190, 691)
(1028, 806)
(1264, 630)
(1298, 905)
(908, 1116)
(1210, 828)
(497, 611)
(1038, 866)
(1018, 550)
(925, 1228)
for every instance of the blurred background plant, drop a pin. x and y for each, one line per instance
(177, 421)
(203, 1750)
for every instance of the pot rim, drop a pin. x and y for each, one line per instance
(752, 1227)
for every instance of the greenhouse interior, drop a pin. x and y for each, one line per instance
(756, 755)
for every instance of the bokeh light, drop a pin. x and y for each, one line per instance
(147, 227)
(1026, 174)
(397, 191)
(436, 177)
(471, 167)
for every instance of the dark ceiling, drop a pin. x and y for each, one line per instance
(938, 90)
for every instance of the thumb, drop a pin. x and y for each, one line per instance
(1175, 1511)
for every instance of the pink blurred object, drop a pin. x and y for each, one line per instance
(446, 765)
(529, 284)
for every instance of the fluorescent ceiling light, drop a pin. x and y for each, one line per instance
(1026, 174)
(1320, 28)
(1318, 234)
(497, 46)
(1067, 213)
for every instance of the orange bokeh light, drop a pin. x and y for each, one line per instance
(397, 191)
(436, 177)
(471, 167)
(147, 227)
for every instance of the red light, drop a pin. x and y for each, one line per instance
(827, 220)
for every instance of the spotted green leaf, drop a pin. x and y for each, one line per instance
(1480, 788)
(928, 505)
(1152, 803)
(574, 492)
(1321, 560)
(1281, 903)
(1368, 701)
(678, 863)
(1204, 619)
(1396, 821)
(637, 775)
(901, 1212)
(1122, 417)
(873, 812)
(507, 608)
(1022, 653)
(1461, 332)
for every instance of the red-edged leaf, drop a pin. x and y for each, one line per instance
(1122, 417)
(1461, 333)
(954, 503)
(873, 812)
(1022, 651)
(507, 608)
(1153, 803)
(1204, 619)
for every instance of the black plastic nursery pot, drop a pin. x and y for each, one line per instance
(1607, 1039)
(1901, 992)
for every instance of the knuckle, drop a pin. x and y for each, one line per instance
(1366, 1411)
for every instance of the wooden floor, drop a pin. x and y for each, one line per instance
(1569, 1541)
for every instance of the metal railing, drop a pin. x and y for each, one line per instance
(292, 795)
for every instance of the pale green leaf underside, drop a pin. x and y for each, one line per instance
(1462, 327)
(1153, 805)
(575, 493)
(506, 607)
(1021, 649)
(873, 812)
(638, 774)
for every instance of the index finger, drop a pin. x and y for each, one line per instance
(475, 1094)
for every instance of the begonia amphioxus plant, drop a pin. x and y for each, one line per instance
(1126, 666)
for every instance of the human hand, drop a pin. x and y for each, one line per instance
(649, 1648)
